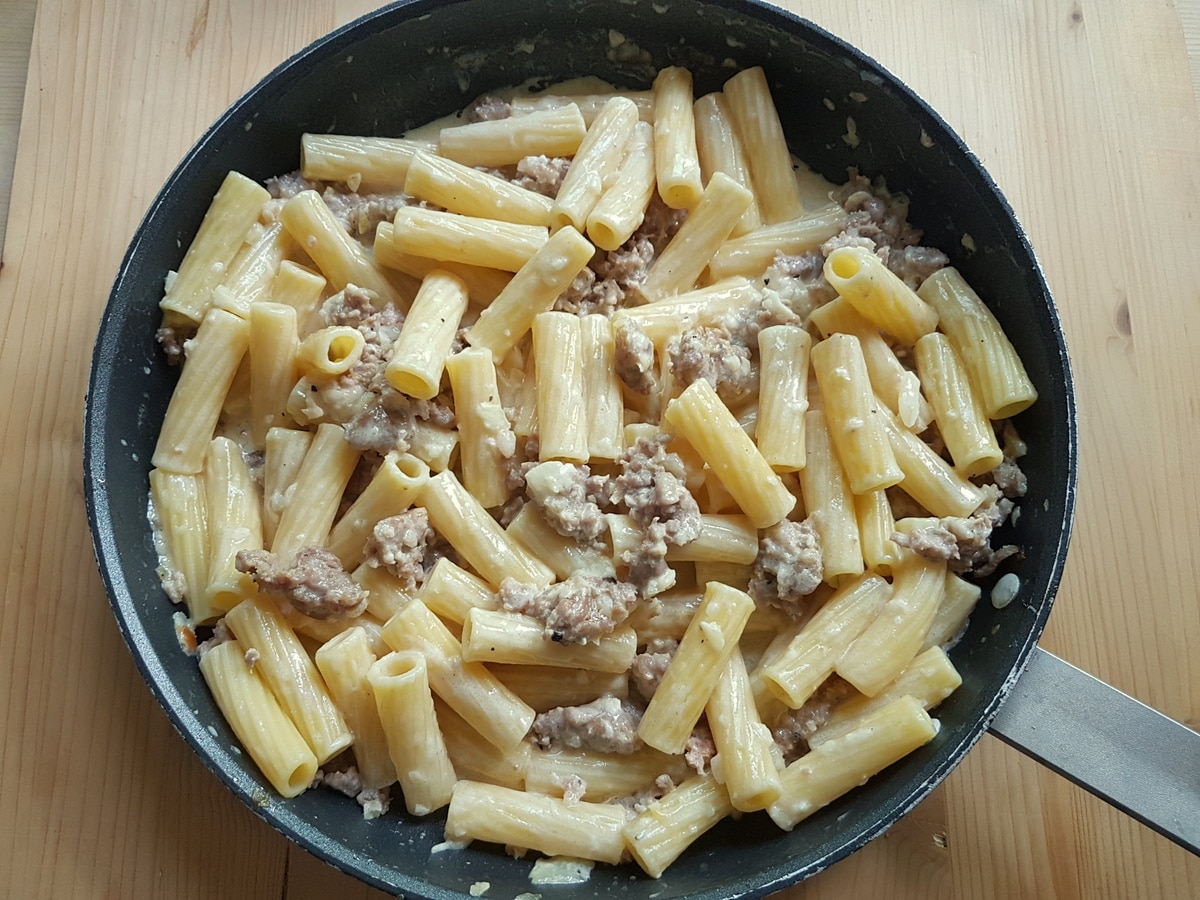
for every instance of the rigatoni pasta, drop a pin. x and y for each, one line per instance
(551, 518)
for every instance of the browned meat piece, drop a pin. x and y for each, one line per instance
(660, 224)
(796, 726)
(588, 295)
(700, 749)
(173, 342)
(709, 353)
(285, 187)
(543, 174)
(1007, 476)
(877, 218)
(314, 582)
(360, 213)
(607, 725)
(568, 497)
(488, 108)
(964, 543)
(634, 357)
(581, 609)
(914, 264)
(788, 566)
(652, 486)
(399, 543)
(648, 667)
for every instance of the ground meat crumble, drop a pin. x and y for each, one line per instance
(399, 543)
(607, 725)
(788, 567)
(581, 609)
(569, 498)
(313, 582)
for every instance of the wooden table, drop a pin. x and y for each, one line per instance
(1085, 113)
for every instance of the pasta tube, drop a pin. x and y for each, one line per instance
(751, 253)
(341, 259)
(235, 207)
(767, 154)
(470, 192)
(320, 483)
(550, 825)
(744, 762)
(497, 636)
(829, 501)
(821, 776)
(233, 520)
(468, 688)
(659, 835)
(991, 361)
(419, 355)
(459, 518)
(720, 150)
(852, 415)
(392, 490)
(292, 676)
(181, 506)
(676, 160)
(862, 279)
(699, 416)
(783, 352)
(453, 238)
(273, 349)
(345, 662)
(812, 654)
(709, 641)
(622, 206)
(604, 406)
(414, 739)
(715, 213)
(262, 727)
(962, 420)
(595, 163)
(362, 163)
(557, 131)
(893, 638)
(533, 290)
(558, 360)
(486, 440)
(215, 354)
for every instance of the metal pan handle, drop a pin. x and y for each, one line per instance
(1140, 761)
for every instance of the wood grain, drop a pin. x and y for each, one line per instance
(1086, 115)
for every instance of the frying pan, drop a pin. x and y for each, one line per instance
(414, 61)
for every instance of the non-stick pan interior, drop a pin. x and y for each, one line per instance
(412, 62)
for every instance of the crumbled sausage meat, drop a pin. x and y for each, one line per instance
(700, 749)
(399, 544)
(488, 108)
(649, 666)
(568, 497)
(964, 543)
(788, 566)
(314, 582)
(634, 357)
(607, 725)
(652, 487)
(543, 174)
(360, 213)
(795, 726)
(581, 609)
(709, 353)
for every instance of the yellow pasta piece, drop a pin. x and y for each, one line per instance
(709, 641)
(995, 369)
(595, 163)
(821, 776)
(699, 416)
(470, 192)
(783, 353)
(676, 160)
(533, 290)
(852, 415)
(962, 420)
(264, 729)
(861, 277)
(767, 155)
(419, 355)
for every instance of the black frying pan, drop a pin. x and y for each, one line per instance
(415, 61)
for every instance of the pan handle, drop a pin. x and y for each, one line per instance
(1140, 761)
